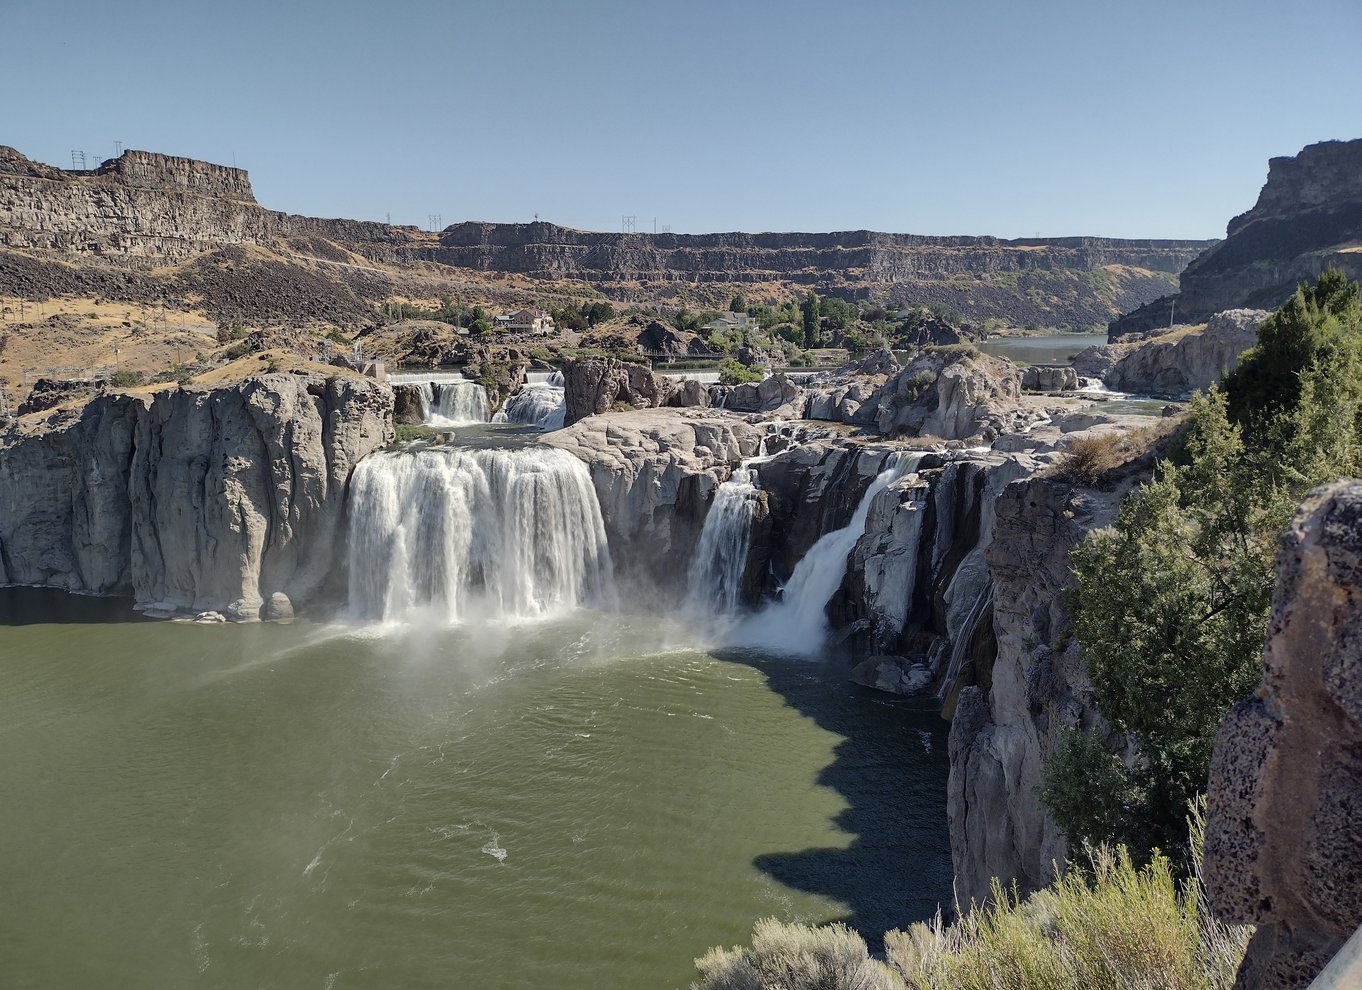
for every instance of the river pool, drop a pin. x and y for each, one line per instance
(585, 802)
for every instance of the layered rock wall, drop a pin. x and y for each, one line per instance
(191, 500)
(1308, 217)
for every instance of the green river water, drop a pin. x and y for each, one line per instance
(584, 803)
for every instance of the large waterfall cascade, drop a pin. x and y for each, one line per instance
(797, 623)
(459, 534)
(540, 404)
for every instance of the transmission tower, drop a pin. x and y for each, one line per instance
(78, 159)
(628, 224)
(435, 220)
(118, 148)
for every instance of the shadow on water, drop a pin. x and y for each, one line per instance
(890, 768)
(41, 606)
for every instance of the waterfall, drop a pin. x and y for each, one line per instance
(454, 403)
(798, 622)
(538, 404)
(461, 534)
(715, 578)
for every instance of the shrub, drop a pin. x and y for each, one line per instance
(733, 373)
(1088, 458)
(795, 957)
(126, 379)
(1110, 925)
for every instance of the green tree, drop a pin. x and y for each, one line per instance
(733, 373)
(1309, 330)
(811, 311)
(738, 304)
(1171, 604)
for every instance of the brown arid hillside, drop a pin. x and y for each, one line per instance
(166, 266)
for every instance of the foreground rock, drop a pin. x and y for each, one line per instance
(1283, 846)
(191, 500)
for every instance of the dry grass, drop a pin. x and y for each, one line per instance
(1110, 926)
(1089, 460)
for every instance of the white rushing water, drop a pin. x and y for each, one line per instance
(453, 403)
(540, 404)
(468, 534)
(798, 622)
(715, 578)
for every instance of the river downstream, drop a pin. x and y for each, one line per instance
(583, 802)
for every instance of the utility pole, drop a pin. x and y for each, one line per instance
(118, 149)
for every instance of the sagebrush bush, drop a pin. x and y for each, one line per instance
(1108, 925)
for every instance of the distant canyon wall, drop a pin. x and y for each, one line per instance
(143, 206)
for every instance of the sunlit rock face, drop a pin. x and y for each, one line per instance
(1282, 849)
(191, 499)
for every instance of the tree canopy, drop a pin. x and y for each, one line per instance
(1172, 603)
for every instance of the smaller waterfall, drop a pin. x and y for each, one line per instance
(458, 534)
(538, 404)
(458, 403)
(798, 622)
(715, 578)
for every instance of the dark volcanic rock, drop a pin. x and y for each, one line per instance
(1308, 217)
(48, 392)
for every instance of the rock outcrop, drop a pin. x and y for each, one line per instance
(1178, 363)
(654, 471)
(1283, 847)
(918, 592)
(191, 500)
(595, 385)
(1308, 218)
(1009, 714)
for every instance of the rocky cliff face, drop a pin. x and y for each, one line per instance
(1283, 850)
(1176, 364)
(191, 500)
(149, 206)
(654, 471)
(1308, 217)
(559, 252)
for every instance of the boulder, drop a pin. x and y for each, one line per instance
(277, 608)
(1040, 379)
(596, 385)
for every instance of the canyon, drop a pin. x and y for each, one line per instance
(909, 517)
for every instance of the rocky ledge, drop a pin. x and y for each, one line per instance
(191, 500)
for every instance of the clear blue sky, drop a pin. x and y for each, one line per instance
(1141, 118)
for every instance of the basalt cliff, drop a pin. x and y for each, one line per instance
(191, 500)
(1308, 218)
(98, 231)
